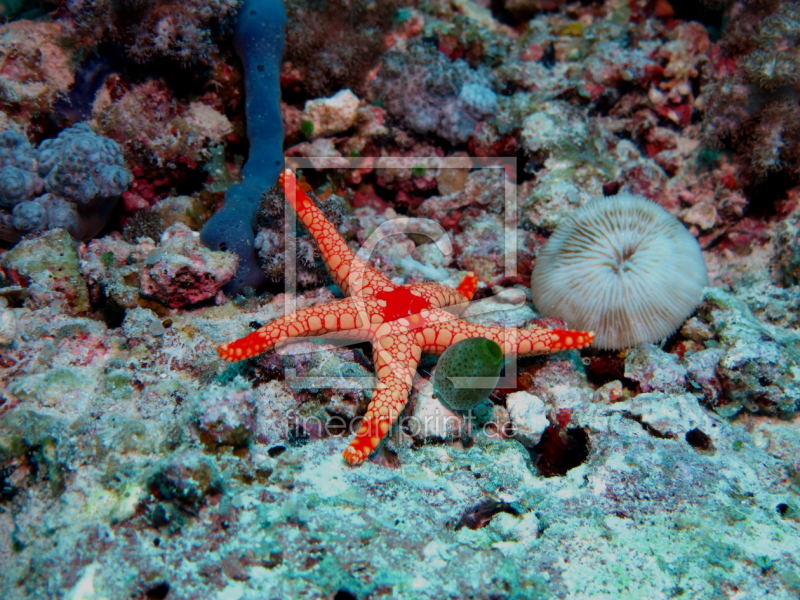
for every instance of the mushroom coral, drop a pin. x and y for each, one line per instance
(622, 267)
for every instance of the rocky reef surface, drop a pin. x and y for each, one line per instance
(135, 463)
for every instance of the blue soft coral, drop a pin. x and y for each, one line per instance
(259, 41)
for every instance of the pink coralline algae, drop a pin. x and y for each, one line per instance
(165, 137)
(182, 271)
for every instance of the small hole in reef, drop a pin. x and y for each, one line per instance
(480, 515)
(158, 591)
(276, 451)
(336, 425)
(611, 188)
(764, 193)
(698, 439)
(782, 509)
(223, 246)
(344, 595)
(298, 437)
(710, 14)
(560, 450)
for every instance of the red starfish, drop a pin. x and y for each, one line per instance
(400, 321)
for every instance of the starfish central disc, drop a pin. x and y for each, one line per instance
(401, 302)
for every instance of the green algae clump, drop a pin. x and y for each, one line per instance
(467, 372)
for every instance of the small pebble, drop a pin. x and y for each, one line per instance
(529, 415)
(656, 96)
(156, 329)
(8, 326)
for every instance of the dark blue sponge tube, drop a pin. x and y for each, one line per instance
(259, 41)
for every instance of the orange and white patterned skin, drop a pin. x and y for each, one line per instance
(400, 321)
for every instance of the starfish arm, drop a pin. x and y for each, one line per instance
(349, 272)
(396, 358)
(438, 295)
(341, 315)
(468, 285)
(440, 333)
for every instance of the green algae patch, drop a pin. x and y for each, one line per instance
(53, 387)
(50, 264)
(119, 385)
(36, 437)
